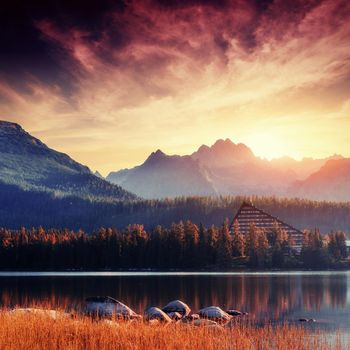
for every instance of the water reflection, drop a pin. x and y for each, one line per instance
(275, 297)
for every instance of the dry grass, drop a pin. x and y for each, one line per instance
(39, 331)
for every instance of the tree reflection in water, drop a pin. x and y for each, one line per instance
(265, 296)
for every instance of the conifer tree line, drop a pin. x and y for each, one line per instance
(34, 209)
(183, 245)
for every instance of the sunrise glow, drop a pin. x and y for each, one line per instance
(148, 75)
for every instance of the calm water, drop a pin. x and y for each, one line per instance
(277, 297)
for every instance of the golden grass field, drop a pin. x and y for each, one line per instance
(39, 331)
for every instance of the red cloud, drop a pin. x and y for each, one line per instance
(152, 37)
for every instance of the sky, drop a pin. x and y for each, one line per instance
(108, 82)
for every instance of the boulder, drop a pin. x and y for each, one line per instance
(190, 318)
(154, 313)
(214, 313)
(193, 317)
(108, 307)
(175, 316)
(234, 312)
(310, 320)
(177, 306)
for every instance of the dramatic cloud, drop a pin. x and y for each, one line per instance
(173, 75)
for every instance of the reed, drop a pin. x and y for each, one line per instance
(39, 331)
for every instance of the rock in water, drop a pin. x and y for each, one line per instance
(177, 306)
(190, 318)
(214, 313)
(154, 313)
(108, 307)
(234, 313)
(175, 316)
(311, 320)
(193, 317)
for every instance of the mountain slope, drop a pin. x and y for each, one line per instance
(331, 182)
(28, 163)
(98, 174)
(165, 176)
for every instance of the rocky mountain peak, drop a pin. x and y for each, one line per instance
(155, 157)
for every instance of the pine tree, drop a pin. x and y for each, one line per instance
(313, 253)
(191, 237)
(213, 237)
(202, 255)
(262, 249)
(238, 241)
(224, 247)
(336, 245)
(280, 245)
(252, 245)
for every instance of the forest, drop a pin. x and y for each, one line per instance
(30, 208)
(183, 245)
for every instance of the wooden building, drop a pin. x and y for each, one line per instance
(249, 214)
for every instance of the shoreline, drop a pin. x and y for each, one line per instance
(111, 273)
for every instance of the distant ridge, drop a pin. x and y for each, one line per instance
(225, 168)
(165, 176)
(330, 182)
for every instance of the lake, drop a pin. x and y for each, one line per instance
(272, 296)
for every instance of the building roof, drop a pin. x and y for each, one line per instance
(249, 214)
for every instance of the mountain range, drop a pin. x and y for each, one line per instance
(226, 168)
(28, 163)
